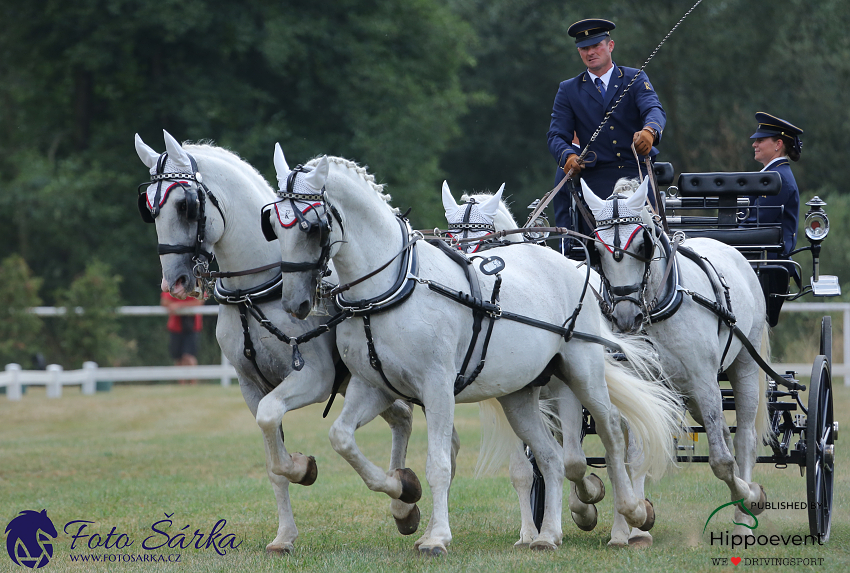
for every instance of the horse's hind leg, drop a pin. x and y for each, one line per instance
(585, 490)
(523, 412)
(522, 479)
(621, 536)
(287, 532)
(399, 416)
(706, 408)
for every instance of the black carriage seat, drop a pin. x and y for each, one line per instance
(721, 192)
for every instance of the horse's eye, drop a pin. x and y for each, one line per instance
(181, 206)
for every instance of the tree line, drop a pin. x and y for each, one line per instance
(418, 90)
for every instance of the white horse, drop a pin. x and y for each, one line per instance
(413, 349)
(491, 210)
(269, 383)
(693, 345)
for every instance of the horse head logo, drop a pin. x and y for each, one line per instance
(29, 542)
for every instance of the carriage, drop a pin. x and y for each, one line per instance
(714, 205)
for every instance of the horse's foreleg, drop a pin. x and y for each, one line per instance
(362, 403)
(522, 410)
(439, 410)
(311, 385)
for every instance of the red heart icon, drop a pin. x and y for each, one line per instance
(735, 560)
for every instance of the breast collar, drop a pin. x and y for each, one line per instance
(401, 289)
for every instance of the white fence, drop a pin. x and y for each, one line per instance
(13, 379)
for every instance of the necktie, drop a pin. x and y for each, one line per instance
(600, 86)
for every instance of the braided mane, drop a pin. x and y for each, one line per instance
(361, 171)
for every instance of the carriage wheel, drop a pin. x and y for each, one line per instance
(820, 454)
(826, 338)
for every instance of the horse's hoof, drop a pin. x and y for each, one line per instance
(540, 545)
(601, 495)
(409, 524)
(435, 551)
(279, 549)
(758, 507)
(411, 490)
(586, 525)
(521, 544)
(312, 472)
(650, 516)
(618, 544)
(640, 541)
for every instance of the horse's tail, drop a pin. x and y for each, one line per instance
(498, 440)
(654, 412)
(763, 429)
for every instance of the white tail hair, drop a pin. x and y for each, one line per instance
(653, 411)
(498, 440)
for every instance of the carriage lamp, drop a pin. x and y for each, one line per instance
(817, 223)
(539, 221)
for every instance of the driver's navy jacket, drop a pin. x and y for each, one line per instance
(783, 208)
(580, 107)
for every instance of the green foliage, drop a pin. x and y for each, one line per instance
(92, 334)
(20, 331)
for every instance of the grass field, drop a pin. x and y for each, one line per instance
(123, 459)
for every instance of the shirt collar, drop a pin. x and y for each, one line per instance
(769, 165)
(606, 77)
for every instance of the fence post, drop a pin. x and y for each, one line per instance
(54, 387)
(14, 390)
(845, 334)
(89, 371)
(225, 379)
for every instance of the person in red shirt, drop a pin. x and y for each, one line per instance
(183, 330)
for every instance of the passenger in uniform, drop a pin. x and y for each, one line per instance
(580, 106)
(776, 144)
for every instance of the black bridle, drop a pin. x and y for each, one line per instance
(627, 293)
(195, 210)
(323, 226)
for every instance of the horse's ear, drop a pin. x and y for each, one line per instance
(595, 203)
(638, 198)
(280, 166)
(317, 177)
(449, 203)
(148, 156)
(491, 206)
(176, 153)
